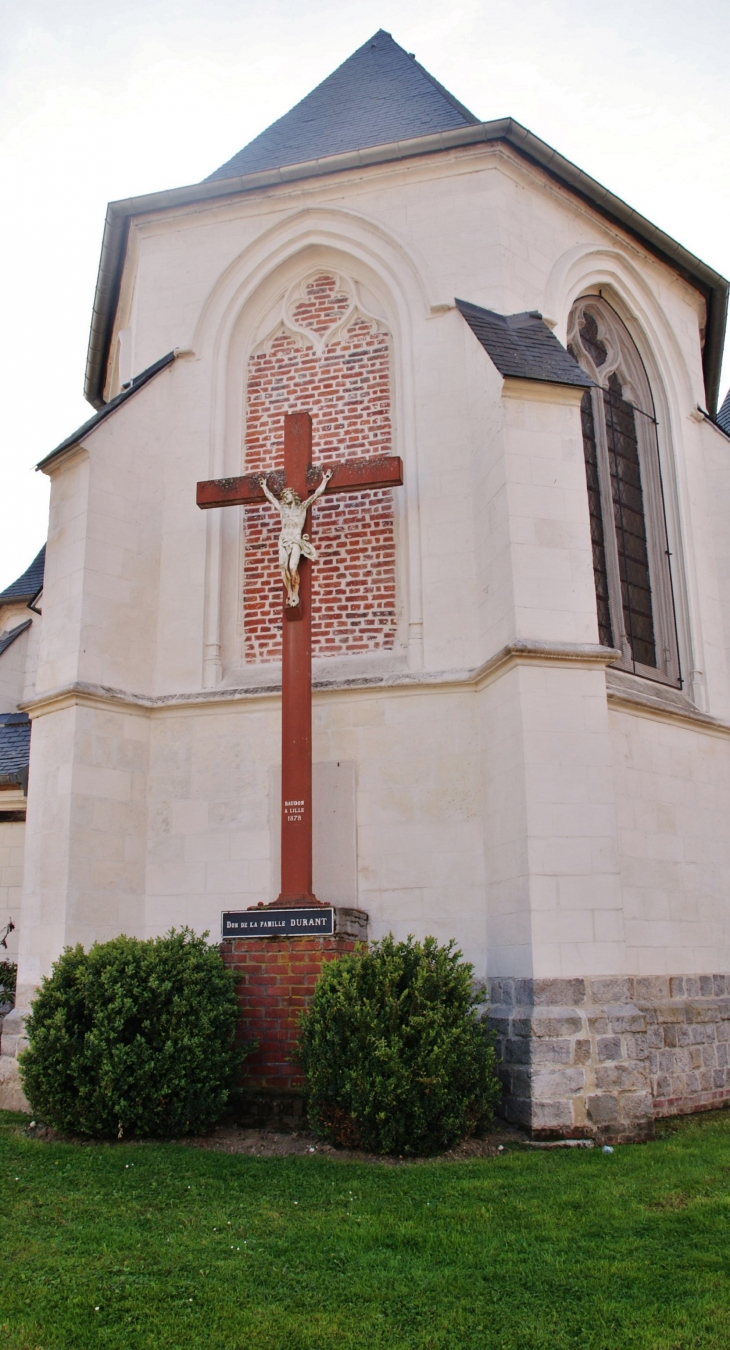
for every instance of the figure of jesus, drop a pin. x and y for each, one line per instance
(293, 545)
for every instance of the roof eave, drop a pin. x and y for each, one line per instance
(711, 284)
(77, 437)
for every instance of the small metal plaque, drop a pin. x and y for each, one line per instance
(245, 923)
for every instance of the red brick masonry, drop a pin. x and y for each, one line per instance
(345, 385)
(279, 975)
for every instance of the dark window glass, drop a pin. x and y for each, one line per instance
(594, 508)
(628, 511)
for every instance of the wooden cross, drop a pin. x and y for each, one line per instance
(353, 475)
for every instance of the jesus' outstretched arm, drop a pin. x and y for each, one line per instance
(319, 489)
(267, 490)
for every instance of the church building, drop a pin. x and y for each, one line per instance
(521, 656)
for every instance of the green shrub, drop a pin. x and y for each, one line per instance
(396, 1059)
(133, 1038)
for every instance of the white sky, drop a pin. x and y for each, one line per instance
(102, 99)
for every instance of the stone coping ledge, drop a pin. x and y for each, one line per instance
(536, 652)
(576, 992)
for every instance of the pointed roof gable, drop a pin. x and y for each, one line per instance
(379, 95)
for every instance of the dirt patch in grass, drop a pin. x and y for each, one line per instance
(256, 1143)
(275, 1144)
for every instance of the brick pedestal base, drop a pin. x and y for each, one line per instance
(278, 975)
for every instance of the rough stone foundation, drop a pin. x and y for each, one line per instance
(278, 979)
(604, 1058)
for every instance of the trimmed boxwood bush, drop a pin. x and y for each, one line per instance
(133, 1038)
(396, 1058)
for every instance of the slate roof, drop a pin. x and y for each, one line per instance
(377, 114)
(7, 639)
(28, 586)
(723, 414)
(108, 408)
(14, 748)
(522, 346)
(379, 95)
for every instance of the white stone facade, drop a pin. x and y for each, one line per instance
(559, 822)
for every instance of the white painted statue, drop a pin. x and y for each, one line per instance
(293, 545)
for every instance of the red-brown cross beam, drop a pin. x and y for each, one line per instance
(353, 475)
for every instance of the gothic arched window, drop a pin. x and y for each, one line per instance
(628, 528)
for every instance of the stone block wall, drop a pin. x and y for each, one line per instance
(603, 1058)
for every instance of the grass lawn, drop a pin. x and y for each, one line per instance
(163, 1246)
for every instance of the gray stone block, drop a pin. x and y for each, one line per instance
(551, 1052)
(581, 1052)
(550, 993)
(621, 1078)
(558, 1082)
(672, 1010)
(498, 1023)
(636, 1045)
(676, 986)
(602, 1109)
(520, 1082)
(625, 1017)
(608, 1048)
(501, 991)
(651, 988)
(518, 1109)
(608, 991)
(635, 1106)
(555, 1115)
(562, 1022)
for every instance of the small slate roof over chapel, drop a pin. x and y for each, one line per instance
(14, 748)
(138, 382)
(27, 586)
(379, 95)
(723, 414)
(8, 638)
(522, 346)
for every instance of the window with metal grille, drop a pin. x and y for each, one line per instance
(631, 565)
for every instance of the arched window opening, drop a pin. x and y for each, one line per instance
(628, 529)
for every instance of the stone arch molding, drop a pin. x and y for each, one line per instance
(585, 268)
(253, 300)
(354, 237)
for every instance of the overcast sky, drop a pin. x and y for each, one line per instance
(102, 99)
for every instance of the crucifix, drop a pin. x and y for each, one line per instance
(298, 487)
